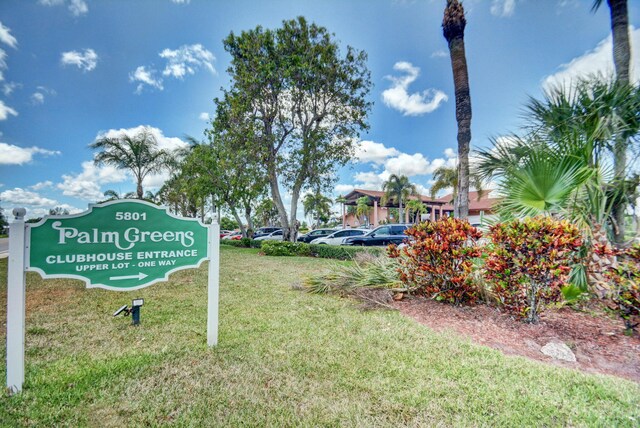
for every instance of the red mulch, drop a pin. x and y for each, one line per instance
(596, 338)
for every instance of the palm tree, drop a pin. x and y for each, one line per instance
(398, 188)
(342, 200)
(621, 59)
(453, 25)
(319, 206)
(363, 209)
(417, 207)
(447, 177)
(138, 153)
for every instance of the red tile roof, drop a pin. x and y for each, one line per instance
(485, 203)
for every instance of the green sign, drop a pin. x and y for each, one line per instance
(117, 245)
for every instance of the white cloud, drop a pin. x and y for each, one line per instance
(398, 97)
(8, 88)
(18, 196)
(186, 60)
(343, 189)
(370, 180)
(14, 155)
(181, 1)
(503, 8)
(204, 116)
(9, 40)
(42, 185)
(598, 61)
(440, 53)
(370, 151)
(5, 111)
(37, 98)
(145, 77)
(164, 143)
(86, 185)
(409, 165)
(86, 60)
(6, 37)
(450, 153)
(76, 7)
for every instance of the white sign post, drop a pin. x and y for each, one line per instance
(16, 303)
(142, 221)
(213, 282)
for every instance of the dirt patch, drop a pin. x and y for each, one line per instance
(596, 339)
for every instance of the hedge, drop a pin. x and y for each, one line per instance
(243, 243)
(280, 248)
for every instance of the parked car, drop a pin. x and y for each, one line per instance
(338, 236)
(264, 231)
(224, 233)
(233, 235)
(315, 234)
(382, 235)
(274, 236)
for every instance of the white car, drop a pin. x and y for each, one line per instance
(273, 236)
(337, 237)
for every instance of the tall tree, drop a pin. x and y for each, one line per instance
(397, 189)
(445, 177)
(302, 105)
(453, 25)
(138, 153)
(621, 59)
(342, 200)
(416, 207)
(362, 209)
(318, 206)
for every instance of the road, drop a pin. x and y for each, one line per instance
(4, 247)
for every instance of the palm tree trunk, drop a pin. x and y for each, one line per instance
(621, 60)
(400, 218)
(453, 28)
(139, 190)
(620, 34)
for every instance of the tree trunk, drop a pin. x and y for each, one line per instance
(400, 217)
(292, 232)
(453, 26)
(621, 60)
(247, 214)
(139, 190)
(277, 199)
(236, 216)
(620, 34)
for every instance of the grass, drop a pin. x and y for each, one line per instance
(285, 358)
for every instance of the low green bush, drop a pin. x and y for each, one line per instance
(280, 248)
(243, 243)
(285, 248)
(342, 253)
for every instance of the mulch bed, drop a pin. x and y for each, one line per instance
(594, 336)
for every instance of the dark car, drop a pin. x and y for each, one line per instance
(382, 235)
(315, 234)
(264, 231)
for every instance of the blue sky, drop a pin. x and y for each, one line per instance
(72, 70)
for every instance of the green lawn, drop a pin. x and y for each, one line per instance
(285, 358)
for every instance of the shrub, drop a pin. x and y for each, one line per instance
(340, 252)
(530, 262)
(374, 272)
(285, 248)
(626, 289)
(440, 258)
(244, 243)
